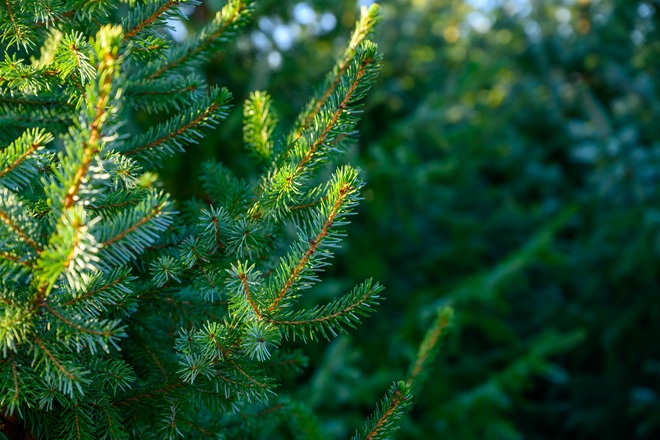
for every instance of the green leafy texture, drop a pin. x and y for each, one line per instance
(281, 412)
(46, 12)
(23, 114)
(259, 122)
(212, 224)
(22, 160)
(58, 371)
(72, 249)
(325, 137)
(15, 103)
(109, 423)
(124, 174)
(384, 421)
(491, 396)
(246, 237)
(149, 48)
(209, 40)
(193, 252)
(95, 9)
(82, 328)
(115, 202)
(165, 139)
(244, 289)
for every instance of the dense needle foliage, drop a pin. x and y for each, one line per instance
(124, 314)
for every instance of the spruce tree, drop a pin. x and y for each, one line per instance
(126, 314)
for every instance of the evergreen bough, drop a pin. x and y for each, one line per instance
(123, 314)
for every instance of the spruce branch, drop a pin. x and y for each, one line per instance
(242, 285)
(95, 10)
(126, 235)
(247, 237)
(13, 103)
(208, 41)
(14, 119)
(124, 175)
(167, 138)
(47, 12)
(208, 283)
(332, 318)
(95, 258)
(429, 348)
(259, 122)
(213, 223)
(87, 333)
(369, 18)
(163, 94)
(165, 269)
(281, 189)
(117, 201)
(107, 293)
(15, 26)
(12, 392)
(148, 17)
(17, 226)
(359, 75)
(64, 375)
(76, 421)
(163, 390)
(71, 251)
(72, 58)
(259, 338)
(75, 164)
(384, 421)
(148, 48)
(17, 325)
(27, 80)
(21, 161)
(308, 255)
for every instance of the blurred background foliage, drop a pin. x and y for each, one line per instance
(512, 152)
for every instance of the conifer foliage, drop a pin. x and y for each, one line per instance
(123, 314)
